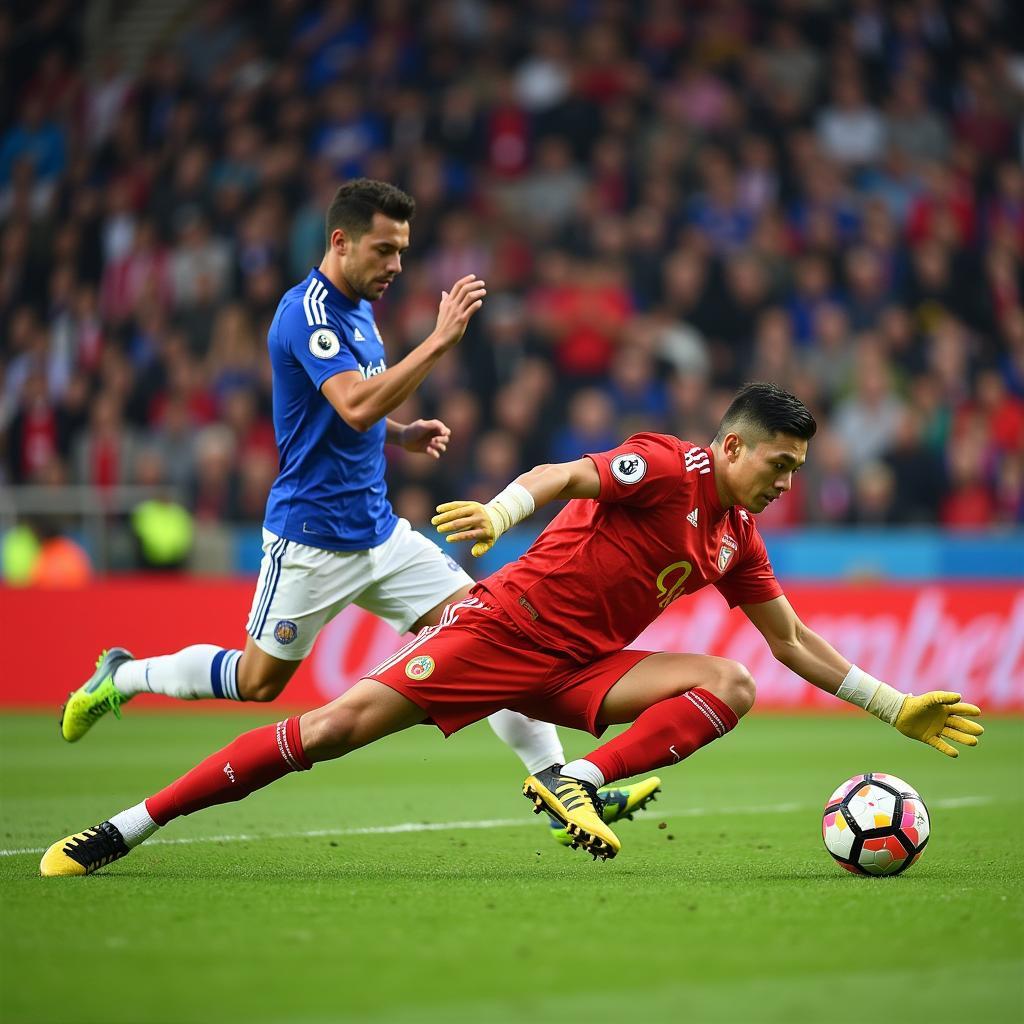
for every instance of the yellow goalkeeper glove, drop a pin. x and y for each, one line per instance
(931, 718)
(938, 716)
(466, 520)
(469, 520)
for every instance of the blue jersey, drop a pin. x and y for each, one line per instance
(330, 491)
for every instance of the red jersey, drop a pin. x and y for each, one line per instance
(605, 568)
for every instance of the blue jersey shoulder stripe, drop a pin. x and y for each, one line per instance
(313, 304)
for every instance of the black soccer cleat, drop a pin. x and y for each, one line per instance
(84, 852)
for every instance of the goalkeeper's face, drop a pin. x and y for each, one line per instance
(760, 470)
(372, 261)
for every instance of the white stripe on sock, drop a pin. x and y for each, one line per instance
(229, 675)
(282, 745)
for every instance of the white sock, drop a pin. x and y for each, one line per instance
(536, 743)
(195, 673)
(135, 824)
(585, 771)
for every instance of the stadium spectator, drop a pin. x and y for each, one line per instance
(850, 129)
(858, 169)
(918, 473)
(913, 130)
(867, 419)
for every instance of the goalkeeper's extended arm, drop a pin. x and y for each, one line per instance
(933, 718)
(469, 520)
(484, 524)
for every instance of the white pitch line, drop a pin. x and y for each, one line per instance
(452, 826)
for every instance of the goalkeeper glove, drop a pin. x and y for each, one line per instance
(932, 718)
(938, 716)
(469, 520)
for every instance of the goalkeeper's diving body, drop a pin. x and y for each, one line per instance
(330, 537)
(646, 524)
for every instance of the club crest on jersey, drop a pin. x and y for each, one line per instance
(629, 468)
(323, 343)
(376, 330)
(420, 667)
(285, 631)
(725, 554)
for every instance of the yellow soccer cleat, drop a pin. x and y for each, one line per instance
(98, 695)
(84, 852)
(577, 805)
(618, 803)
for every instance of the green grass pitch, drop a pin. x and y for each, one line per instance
(302, 904)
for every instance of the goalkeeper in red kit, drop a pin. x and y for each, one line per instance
(647, 523)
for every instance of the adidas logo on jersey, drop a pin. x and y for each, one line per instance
(692, 518)
(359, 336)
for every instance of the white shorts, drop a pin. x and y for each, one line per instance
(300, 588)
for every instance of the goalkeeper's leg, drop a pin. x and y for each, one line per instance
(678, 703)
(255, 759)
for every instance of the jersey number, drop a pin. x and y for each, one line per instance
(671, 581)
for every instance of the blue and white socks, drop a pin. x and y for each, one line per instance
(200, 672)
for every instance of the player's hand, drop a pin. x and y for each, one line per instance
(428, 436)
(466, 520)
(457, 308)
(938, 716)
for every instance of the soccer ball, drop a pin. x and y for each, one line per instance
(875, 824)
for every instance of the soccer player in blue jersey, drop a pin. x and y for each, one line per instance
(330, 537)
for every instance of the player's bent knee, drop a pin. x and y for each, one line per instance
(739, 689)
(733, 684)
(330, 731)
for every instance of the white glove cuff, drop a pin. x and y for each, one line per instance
(880, 699)
(509, 507)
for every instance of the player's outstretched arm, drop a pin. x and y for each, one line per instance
(484, 524)
(362, 403)
(933, 718)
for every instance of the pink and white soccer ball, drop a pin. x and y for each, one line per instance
(875, 824)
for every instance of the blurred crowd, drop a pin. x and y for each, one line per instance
(665, 199)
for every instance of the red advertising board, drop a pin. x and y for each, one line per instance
(968, 638)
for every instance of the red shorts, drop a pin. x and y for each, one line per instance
(477, 661)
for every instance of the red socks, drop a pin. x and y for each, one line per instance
(252, 761)
(665, 733)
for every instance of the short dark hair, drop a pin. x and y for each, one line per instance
(355, 203)
(766, 409)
